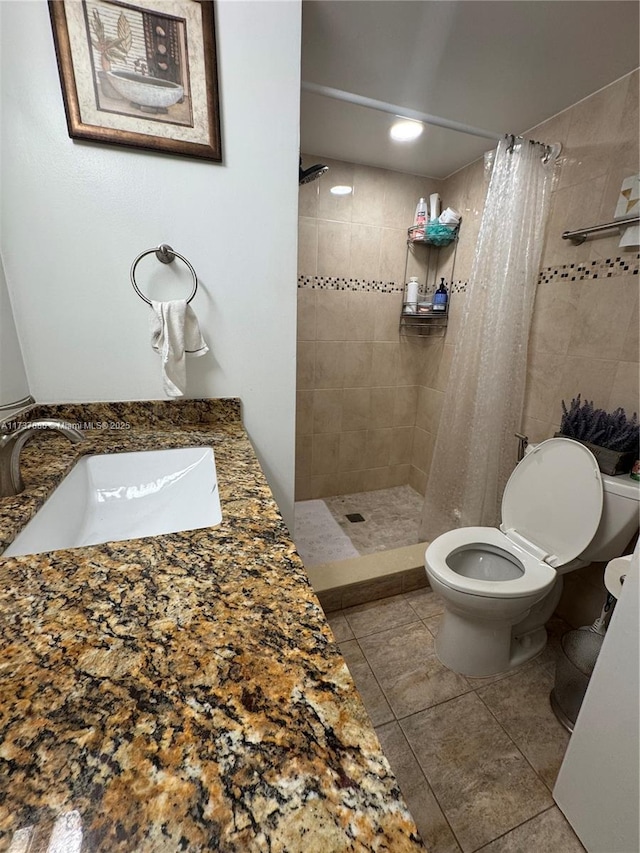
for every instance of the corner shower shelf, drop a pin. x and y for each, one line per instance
(423, 325)
(441, 235)
(429, 324)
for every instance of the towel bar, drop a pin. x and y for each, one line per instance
(166, 255)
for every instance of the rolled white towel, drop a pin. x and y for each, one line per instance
(175, 333)
(449, 216)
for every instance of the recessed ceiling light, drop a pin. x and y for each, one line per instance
(341, 190)
(406, 129)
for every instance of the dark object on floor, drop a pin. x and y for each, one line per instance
(354, 516)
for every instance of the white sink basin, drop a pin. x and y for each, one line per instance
(112, 497)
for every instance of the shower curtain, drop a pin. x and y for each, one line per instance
(475, 450)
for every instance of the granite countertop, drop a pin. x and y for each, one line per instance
(180, 692)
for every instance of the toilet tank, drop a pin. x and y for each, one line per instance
(619, 521)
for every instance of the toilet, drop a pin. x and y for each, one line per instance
(500, 586)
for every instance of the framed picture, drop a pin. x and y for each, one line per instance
(141, 74)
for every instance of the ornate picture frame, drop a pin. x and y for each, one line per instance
(141, 74)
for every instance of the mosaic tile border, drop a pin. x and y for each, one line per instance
(321, 282)
(458, 286)
(586, 271)
(590, 270)
(318, 282)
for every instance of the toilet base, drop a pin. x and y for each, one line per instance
(527, 646)
(482, 648)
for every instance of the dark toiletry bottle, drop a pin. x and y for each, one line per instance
(440, 298)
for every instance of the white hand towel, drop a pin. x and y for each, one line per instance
(175, 333)
(630, 236)
(629, 205)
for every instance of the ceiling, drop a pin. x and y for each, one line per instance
(500, 65)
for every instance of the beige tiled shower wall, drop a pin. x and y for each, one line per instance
(358, 428)
(584, 335)
(358, 380)
(363, 235)
(465, 191)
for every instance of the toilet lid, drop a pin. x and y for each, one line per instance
(554, 499)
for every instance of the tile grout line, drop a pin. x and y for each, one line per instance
(395, 721)
(424, 773)
(513, 828)
(375, 678)
(538, 776)
(504, 677)
(382, 630)
(375, 633)
(437, 705)
(398, 721)
(426, 779)
(384, 693)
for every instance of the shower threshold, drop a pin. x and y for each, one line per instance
(345, 583)
(362, 546)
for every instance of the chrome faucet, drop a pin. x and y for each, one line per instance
(12, 442)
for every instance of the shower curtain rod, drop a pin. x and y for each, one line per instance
(551, 152)
(401, 112)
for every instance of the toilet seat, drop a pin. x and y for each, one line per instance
(551, 510)
(552, 502)
(536, 576)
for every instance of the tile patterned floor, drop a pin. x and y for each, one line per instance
(392, 518)
(476, 758)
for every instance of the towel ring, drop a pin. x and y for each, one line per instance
(166, 255)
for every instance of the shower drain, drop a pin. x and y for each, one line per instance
(354, 516)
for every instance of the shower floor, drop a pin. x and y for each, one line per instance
(390, 519)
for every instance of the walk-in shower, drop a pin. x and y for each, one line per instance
(369, 398)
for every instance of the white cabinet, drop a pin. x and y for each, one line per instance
(598, 786)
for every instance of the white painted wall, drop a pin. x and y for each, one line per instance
(13, 379)
(75, 215)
